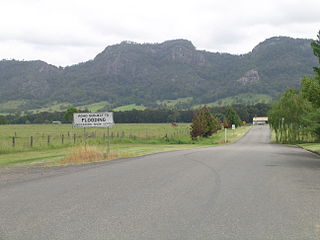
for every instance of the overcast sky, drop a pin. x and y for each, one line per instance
(65, 32)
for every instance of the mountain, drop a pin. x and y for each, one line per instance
(131, 73)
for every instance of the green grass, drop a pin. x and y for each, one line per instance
(127, 140)
(172, 103)
(239, 99)
(11, 106)
(315, 147)
(94, 107)
(55, 156)
(32, 157)
(55, 107)
(58, 107)
(120, 133)
(129, 108)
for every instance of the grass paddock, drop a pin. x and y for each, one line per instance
(126, 140)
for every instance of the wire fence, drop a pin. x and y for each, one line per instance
(17, 142)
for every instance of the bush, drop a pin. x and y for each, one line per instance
(204, 124)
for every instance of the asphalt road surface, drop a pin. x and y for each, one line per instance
(247, 190)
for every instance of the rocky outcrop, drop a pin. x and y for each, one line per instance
(250, 77)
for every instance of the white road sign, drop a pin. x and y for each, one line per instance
(233, 126)
(90, 120)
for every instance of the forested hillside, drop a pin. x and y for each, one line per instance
(146, 74)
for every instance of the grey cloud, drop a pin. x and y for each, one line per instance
(81, 29)
(47, 39)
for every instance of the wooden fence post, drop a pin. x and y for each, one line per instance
(31, 141)
(13, 141)
(62, 139)
(108, 150)
(48, 140)
(85, 138)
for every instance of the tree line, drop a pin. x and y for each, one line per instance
(295, 117)
(161, 115)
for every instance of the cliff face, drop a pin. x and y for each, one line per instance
(250, 77)
(144, 73)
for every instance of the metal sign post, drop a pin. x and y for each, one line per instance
(233, 128)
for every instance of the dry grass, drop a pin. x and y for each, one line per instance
(113, 156)
(84, 154)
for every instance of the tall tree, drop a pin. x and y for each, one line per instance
(315, 44)
(68, 116)
(310, 88)
(232, 117)
(287, 117)
(296, 114)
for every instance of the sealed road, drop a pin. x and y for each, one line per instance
(247, 190)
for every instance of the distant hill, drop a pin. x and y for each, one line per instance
(149, 74)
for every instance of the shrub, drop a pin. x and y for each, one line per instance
(204, 124)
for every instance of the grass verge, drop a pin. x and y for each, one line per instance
(79, 155)
(32, 157)
(314, 147)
